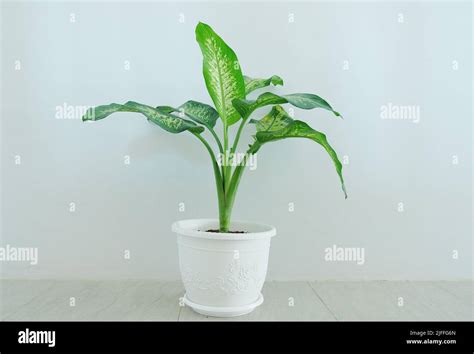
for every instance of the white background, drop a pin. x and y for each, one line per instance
(131, 207)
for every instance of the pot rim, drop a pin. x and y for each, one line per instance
(190, 227)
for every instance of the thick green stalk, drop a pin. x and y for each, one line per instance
(226, 196)
(219, 184)
(219, 145)
(226, 162)
(235, 181)
(232, 182)
(224, 215)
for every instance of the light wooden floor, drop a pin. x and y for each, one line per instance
(48, 300)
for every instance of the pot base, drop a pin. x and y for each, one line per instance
(223, 311)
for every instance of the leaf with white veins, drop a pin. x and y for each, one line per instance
(200, 112)
(252, 84)
(275, 120)
(222, 73)
(167, 121)
(296, 129)
(300, 100)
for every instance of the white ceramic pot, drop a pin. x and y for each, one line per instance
(223, 273)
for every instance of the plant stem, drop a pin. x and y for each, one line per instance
(237, 137)
(226, 165)
(232, 180)
(219, 184)
(235, 180)
(218, 141)
(221, 150)
(224, 213)
(226, 195)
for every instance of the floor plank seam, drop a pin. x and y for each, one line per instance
(320, 299)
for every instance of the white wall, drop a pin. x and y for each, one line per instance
(130, 207)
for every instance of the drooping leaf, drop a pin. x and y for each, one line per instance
(222, 73)
(275, 120)
(299, 129)
(200, 113)
(101, 112)
(252, 84)
(167, 121)
(300, 100)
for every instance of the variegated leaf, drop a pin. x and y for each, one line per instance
(165, 120)
(300, 100)
(275, 120)
(299, 129)
(252, 84)
(200, 112)
(166, 109)
(222, 73)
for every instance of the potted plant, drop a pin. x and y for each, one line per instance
(223, 263)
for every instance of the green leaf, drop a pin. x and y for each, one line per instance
(165, 120)
(300, 100)
(101, 112)
(222, 73)
(299, 129)
(167, 109)
(252, 84)
(275, 120)
(200, 113)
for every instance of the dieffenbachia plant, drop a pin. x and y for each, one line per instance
(229, 89)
